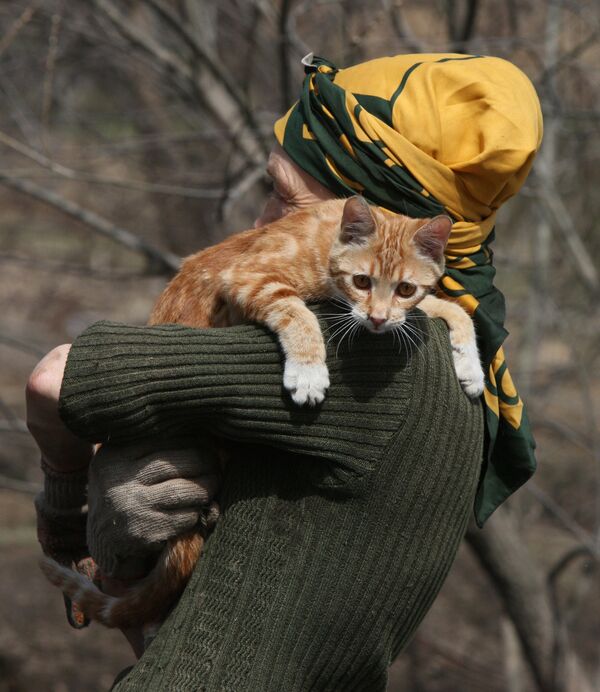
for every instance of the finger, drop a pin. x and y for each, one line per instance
(179, 521)
(182, 492)
(177, 463)
(152, 469)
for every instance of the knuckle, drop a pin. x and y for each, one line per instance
(47, 375)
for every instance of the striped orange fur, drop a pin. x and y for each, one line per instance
(379, 265)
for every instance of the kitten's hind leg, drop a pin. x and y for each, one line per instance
(462, 338)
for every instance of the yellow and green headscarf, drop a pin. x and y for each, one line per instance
(423, 135)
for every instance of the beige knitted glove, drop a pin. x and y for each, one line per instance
(139, 497)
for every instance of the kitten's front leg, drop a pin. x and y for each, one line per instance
(462, 338)
(306, 382)
(305, 374)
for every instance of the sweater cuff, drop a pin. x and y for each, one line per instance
(64, 490)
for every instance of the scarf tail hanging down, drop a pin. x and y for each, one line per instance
(423, 135)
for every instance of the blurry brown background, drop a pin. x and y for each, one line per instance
(132, 133)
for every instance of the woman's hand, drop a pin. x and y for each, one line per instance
(141, 495)
(60, 506)
(138, 498)
(60, 449)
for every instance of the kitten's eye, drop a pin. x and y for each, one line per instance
(362, 281)
(405, 290)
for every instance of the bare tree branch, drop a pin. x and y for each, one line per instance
(24, 19)
(12, 426)
(567, 57)
(284, 54)
(168, 262)
(19, 486)
(460, 32)
(513, 659)
(251, 50)
(214, 93)
(401, 26)
(233, 193)
(523, 589)
(85, 270)
(211, 63)
(20, 112)
(48, 85)
(203, 17)
(554, 206)
(22, 345)
(564, 518)
(82, 176)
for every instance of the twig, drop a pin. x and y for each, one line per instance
(14, 426)
(25, 487)
(82, 176)
(568, 56)
(562, 221)
(401, 27)
(24, 19)
(568, 433)
(9, 415)
(213, 92)
(138, 185)
(521, 584)
(49, 76)
(59, 267)
(22, 345)
(211, 63)
(164, 260)
(165, 58)
(457, 659)
(284, 53)
(20, 111)
(460, 33)
(239, 189)
(564, 518)
(571, 555)
(251, 51)
(300, 47)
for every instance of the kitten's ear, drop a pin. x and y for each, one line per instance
(433, 237)
(357, 221)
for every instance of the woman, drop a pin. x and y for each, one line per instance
(339, 525)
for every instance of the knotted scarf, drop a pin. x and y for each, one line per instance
(423, 135)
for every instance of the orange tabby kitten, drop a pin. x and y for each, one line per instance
(380, 266)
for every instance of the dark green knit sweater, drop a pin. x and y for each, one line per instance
(338, 524)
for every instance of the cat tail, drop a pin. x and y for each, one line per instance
(147, 601)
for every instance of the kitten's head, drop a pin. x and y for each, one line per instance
(383, 265)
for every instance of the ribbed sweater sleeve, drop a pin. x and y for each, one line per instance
(123, 383)
(300, 586)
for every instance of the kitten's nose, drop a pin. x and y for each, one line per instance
(377, 321)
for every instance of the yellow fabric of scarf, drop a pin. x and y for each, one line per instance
(428, 134)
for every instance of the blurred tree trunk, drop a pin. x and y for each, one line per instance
(524, 591)
(203, 18)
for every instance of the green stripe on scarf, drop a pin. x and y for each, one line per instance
(334, 143)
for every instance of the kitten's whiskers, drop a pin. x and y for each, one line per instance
(341, 326)
(406, 330)
(348, 332)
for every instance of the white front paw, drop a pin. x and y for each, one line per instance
(306, 382)
(468, 369)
